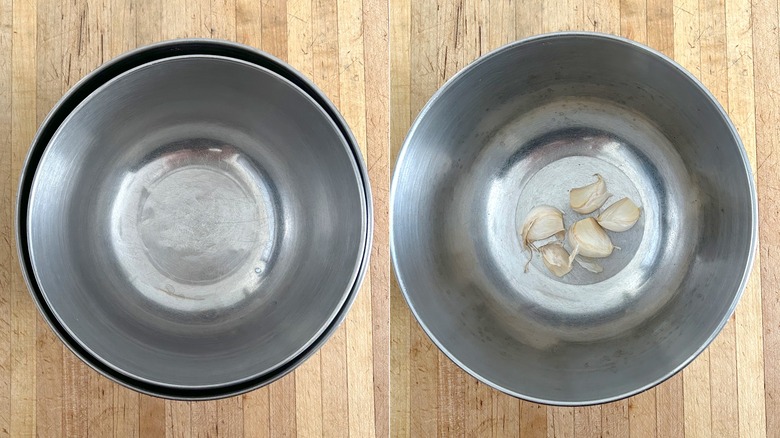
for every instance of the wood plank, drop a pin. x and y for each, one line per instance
(659, 411)
(49, 381)
(153, 418)
(248, 21)
(633, 20)
(256, 407)
(498, 24)
(75, 408)
(615, 420)
(642, 421)
(423, 356)
(400, 358)
(587, 421)
(479, 408)
(94, 20)
(696, 377)
(723, 361)
(153, 413)
(498, 28)
(459, 41)
(528, 19)
(126, 404)
(766, 60)
(506, 415)
(273, 27)
(362, 414)
(178, 18)
(308, 385)
(696, 385)
(333, 355)
(204, 419)
(50, 86)
(100, 402)
(377, 96)
(127, 415)
(560, 422)
(607, 15)
(7, 182)
(148, 23)
(308, 397)
(230, 420)
(660, 26)
(222, 19)
(749, 324)
(533, 420)
(178, 419)
(282, 407)
(670, 408)
(22, 369)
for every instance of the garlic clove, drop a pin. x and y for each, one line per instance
(620, 216)
(587, 199)
(589, 239)
(540, 223)
(556, 258)
(589, 265)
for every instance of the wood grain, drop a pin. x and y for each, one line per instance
(47, 46)
(766, 61)
(733, 389)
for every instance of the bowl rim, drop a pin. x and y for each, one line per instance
(609, 38)
(118, 66)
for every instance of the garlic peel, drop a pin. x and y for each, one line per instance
(589, 265)
(620, 216)
(587, 199)
(556, 258)
(589, 239)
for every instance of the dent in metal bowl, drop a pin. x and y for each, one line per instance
(519, 128)
(197, 222)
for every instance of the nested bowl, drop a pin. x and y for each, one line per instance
(198, 223)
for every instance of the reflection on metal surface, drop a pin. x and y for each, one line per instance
(194, 226)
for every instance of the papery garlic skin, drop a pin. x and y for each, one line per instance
(542, 222)
(556, 258)
(589, 265)
(620, 216)
(587, 199)
(588, 239)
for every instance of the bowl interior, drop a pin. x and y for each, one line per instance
(196, 221)
(521, 127)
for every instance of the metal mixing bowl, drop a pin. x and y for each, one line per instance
(520, 127)
(198, 223)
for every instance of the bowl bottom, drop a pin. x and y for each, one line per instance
(194, 226)
(536, 159)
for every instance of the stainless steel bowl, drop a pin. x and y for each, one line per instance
(520, 127)
(198, 223)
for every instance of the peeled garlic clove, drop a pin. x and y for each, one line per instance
(585, 200)
(556, 258)
(589, 239)
(619, 216)
(542, 222)
(589, 265)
